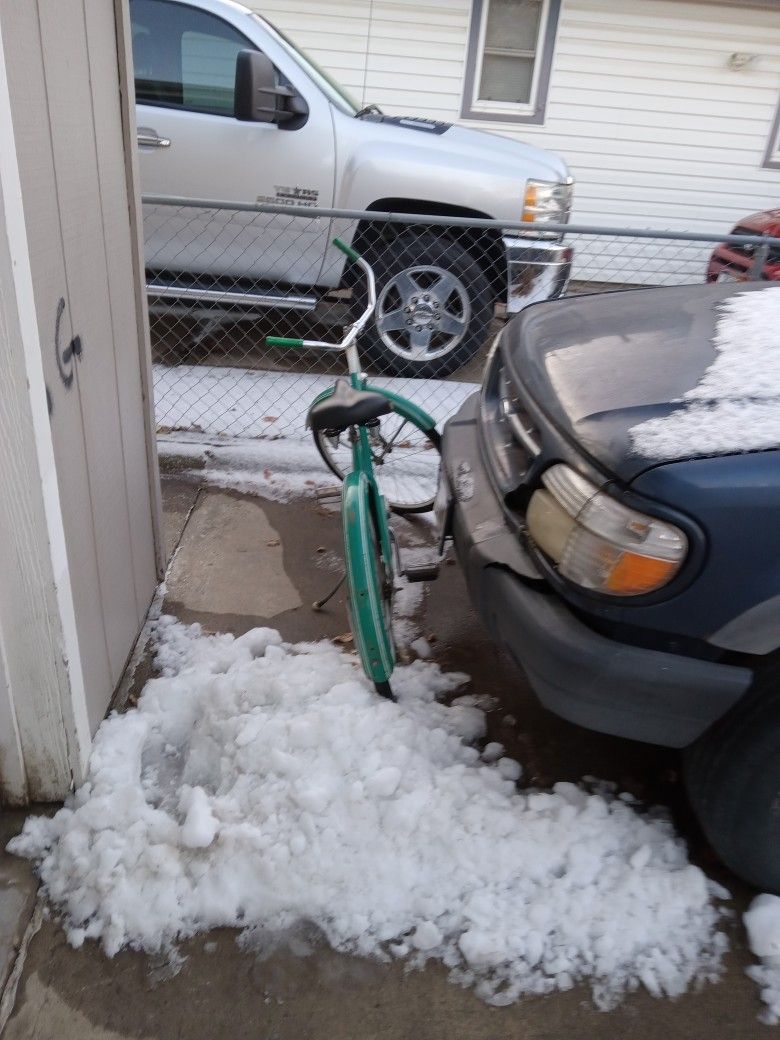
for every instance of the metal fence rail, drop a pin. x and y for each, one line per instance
(222, 276)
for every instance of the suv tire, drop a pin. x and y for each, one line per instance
(434, 306)
(732, 775)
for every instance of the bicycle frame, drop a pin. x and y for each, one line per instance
(365, 516)
(362, 461)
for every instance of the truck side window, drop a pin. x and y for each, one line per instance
(184, 57)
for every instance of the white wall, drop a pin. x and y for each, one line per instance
(13, 781)
(79, 509)
(44, 733)
(658, 131)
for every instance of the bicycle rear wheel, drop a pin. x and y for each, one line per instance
(370, 582)
(406, 460)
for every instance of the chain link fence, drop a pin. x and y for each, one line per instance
(222, 277)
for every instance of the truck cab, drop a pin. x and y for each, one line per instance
(229, 109)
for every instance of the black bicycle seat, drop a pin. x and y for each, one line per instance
(347, 407)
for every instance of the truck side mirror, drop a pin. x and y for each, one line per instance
(258, 99)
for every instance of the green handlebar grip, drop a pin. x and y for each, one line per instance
(346, 250)
(282, 341)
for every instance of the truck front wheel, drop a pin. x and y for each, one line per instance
(732, 774)
(434, 306)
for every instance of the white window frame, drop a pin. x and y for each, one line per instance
(505, 111)
(772, 154)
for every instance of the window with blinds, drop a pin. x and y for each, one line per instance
(510, 50)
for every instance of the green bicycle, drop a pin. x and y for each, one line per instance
(394, 449)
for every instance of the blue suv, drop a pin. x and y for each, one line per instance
(633, 575)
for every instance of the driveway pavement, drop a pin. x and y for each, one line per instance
(243, 562)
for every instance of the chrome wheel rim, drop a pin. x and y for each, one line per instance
(422, 313)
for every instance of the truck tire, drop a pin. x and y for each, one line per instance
(434, 306)
(732, 775)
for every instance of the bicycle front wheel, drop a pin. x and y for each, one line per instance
(406, 460)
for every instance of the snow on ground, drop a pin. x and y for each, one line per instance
(408, 601)
(248, 402)
(762, 922)
(265, 786)
(280, 469)
(736, 405)
(246, 429)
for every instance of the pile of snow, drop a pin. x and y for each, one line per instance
(762, 922)
(736, 405)
(262, 785)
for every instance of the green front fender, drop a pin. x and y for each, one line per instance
(370, 618)
(408, 409)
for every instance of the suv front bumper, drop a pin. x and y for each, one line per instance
(599, 683)
(536, 270)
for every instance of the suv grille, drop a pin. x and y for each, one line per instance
(523, 430)
(748, 249)
(509, 436)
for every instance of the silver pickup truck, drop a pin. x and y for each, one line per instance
(229, 109)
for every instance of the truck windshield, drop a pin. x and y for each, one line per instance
(334, 91)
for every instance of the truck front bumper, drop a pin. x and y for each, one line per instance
(599, 683)
(536, 270)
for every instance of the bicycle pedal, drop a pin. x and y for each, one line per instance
(425, 572)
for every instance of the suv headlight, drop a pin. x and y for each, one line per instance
(547, 201)
(599, 543)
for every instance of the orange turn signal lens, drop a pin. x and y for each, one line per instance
(529, 203)
(633, 574)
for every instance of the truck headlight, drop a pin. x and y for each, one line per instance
(599, 543)
(547, 201)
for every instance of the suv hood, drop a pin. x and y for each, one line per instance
(599, 365)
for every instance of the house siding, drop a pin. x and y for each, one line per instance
(657, 129)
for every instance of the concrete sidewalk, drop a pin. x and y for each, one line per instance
(242, 562)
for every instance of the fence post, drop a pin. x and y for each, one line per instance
(759, 259)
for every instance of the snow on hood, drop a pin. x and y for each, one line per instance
(265, 786)
(736, 405)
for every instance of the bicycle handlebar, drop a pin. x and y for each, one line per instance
(283, 341)
(352, 331)
(348, 251)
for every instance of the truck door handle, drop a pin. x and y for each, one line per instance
(151, 139)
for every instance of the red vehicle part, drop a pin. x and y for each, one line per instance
(731, 262)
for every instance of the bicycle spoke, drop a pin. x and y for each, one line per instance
(394, 438)
(406, 462)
